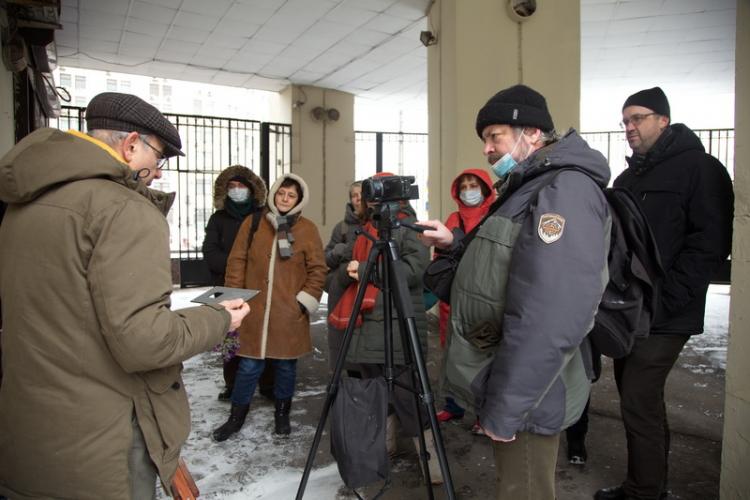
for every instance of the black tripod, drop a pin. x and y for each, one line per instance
(395, 292)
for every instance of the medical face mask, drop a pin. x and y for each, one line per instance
(239, 195)
(471, 197)
(504, 165)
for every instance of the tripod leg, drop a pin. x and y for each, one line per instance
(340, 361)
(405, 311)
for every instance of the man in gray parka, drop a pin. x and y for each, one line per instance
(527, 288)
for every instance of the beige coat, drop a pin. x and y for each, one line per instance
(89, 339)
(278, 325)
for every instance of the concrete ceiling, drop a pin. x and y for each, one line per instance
(371, 48)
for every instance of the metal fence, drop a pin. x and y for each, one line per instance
(400, 153)
(210, 144)
(407, 154)
(613, 145)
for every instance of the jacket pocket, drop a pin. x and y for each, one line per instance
(170, 407)
(462, 365)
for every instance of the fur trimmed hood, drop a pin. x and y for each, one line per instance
(220, 185)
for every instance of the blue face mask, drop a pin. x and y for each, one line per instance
(471, 197)
(502, 167)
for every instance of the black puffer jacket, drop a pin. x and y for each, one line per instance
(687, 197)
(222, 226)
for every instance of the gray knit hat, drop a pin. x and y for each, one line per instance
(128, 113)
(517, 106)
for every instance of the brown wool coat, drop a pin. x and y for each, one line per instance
(277, 327)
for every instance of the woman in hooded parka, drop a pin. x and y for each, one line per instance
(285, 262)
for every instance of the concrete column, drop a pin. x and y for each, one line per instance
(480, 50)
(323, 152)
(735, 455)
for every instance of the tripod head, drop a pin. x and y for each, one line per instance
(385, 217)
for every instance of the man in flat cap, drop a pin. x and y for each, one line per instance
(93, 405)
(518, 346)
(687, 198)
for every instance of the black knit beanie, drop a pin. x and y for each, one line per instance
(653, 99)
(517, 106)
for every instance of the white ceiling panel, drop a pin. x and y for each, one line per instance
(112, 7)
(230, 79)
(196, 21)
(172, 4)
(385, 23)
(96, 33)
(189, 34)
(207, 8)
(374, 5)
(350, 16)
(177, 49)
(150, 12)
(371, 47)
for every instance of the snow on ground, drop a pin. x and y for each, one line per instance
(256, 465)
(712, 343)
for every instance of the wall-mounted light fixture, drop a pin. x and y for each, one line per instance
(427, 38)
(521, 10)
(321, 114)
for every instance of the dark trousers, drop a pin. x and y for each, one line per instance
(230, 374)
(640, 378)
(250, 371)
(577, 431)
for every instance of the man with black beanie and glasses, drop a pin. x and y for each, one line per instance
(687, 198)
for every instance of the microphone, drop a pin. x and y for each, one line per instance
(137, 174)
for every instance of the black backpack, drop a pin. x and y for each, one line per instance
(631, 297)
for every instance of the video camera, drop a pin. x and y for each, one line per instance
(391, 188)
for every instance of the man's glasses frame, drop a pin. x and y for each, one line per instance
(635, 119)
(161, 160)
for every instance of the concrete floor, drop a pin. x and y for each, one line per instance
(695, 401)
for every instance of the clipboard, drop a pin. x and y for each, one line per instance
(220, 293)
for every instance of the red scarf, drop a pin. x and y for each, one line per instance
(339, 317)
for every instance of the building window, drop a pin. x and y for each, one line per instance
(65, 80)
(80, 82)
(197, 106)
(154, 89)
(166, 91)
(125, 85)
(111, 85)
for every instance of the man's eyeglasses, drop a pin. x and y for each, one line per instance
(161, 160)
(634, 119)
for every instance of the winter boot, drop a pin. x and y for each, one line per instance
(226, 394)
(436, 475)
(281, 417)
(237, 416)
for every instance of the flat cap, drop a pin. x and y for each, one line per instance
(128, 113)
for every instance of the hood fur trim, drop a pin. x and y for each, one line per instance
(222, 180)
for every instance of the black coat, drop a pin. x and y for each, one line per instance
(221, 231)
(688, 200)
